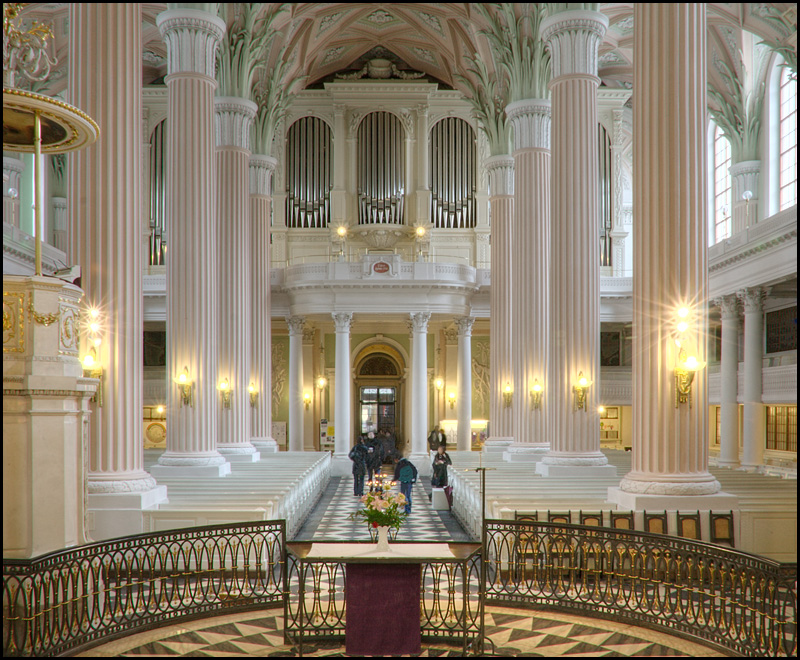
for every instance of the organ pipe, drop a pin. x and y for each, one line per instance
(381, 169)
(157, 195)
(605, 195)
(309, 180)
(453, 161)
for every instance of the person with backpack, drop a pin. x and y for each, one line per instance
(406, 473)
(358, 455)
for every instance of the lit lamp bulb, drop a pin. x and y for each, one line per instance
(508, 393)
(185, 386)
(683, 326)
(420, 232)
(160, 409)
(583, 381)
(439, 383)
(94, 327)
(307, 399)
(451, 397)
(94, 312)
(321, 382)
(536, 395)
(97, 342)
(341, 231)
(683, 312)
(93, 369)
(684, 376)
(253, 395)
(88, 361)
(601, 409)
(225, 392)
(579, 390)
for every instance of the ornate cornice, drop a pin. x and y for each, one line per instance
(755, 249)
(192, 39)
(531, 121)
(233, 118)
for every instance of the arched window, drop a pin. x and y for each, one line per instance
(787, 159)
(381, 169)
(453, 156)
(722, 186)
(309, 176)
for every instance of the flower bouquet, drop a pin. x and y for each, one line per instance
(382, 509)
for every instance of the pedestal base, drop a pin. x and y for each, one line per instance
(265, 445)
(523, 454)
(497, 445)
(162, 471)
(547, 470)
(120, 514)
(341, 466)
(241, 458)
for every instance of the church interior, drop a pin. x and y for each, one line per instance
(243, 240)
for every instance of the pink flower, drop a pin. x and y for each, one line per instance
(379, 505)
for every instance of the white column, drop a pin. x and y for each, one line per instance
(744, 177)
(619, 232)
(754, 413)
(573, 38)
(296, 325)
(729, 368)
(109, 255)
(501, 363)
(670, 272)
(343, 428)
(419, 392)
(192, 37)
(531, 274)
(12, 168)
(464, 382)
(261, 170)
(233, 119)
(60, 234)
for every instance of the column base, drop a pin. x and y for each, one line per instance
(644, 502)
(525, 453)
(240, 454)
(341, 466)
(727, 464)
(265, 445)
(550, 470)
(497, 445)
(114, 514)
(160, 471)
(670, 485)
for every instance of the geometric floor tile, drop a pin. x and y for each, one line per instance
(522, 633)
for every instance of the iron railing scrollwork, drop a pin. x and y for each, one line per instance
(76, 597)
(730, 599)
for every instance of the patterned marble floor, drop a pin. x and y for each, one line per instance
(513, 632)
(330, 519)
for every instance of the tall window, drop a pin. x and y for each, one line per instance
(452, 174)
(722, 186)
(309, 177)
(782, 428)
(788, 141)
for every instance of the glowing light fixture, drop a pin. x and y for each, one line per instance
(579, 390)
(307, 399)
(508, 394)
(439, 384)
(536, 395)
(322, 383)
(226, 392)
(93, 369)
(186, 386)
(253, 395)
(688, 366)
(451, 397)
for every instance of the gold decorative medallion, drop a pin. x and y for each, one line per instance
(69, 331)
(13, 322)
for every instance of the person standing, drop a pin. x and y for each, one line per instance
(406, 473)
(374, 455)
(436, 438)
(358, 454)
(440, 463)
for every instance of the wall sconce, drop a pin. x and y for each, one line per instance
(322, 383)
(93, 369)
(536, 395)
(439, 384)
(684, 376)
(226, 392)
(307, 399)
(253, 395)
(579, 389)
(186, 386)
(508, 393)
(341, 236)
(451, 397)
(747, 195)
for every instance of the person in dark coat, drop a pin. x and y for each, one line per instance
(440, 463)
(374, 455)
(358, 454)
(436, 438)
(406, 473)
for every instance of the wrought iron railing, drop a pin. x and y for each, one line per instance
(75, 597)
(733, 600)
(449, 599)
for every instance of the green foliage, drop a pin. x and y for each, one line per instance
(739, 118)
(489, 99)
(781, 21)
(382, 509)
(244, 48)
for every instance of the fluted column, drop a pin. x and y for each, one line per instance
(296, 325)
(419, 390)
(501, 363)
(744, 180)
(754, 431)
(13, 169)
(233, 119)
(531, 267)
(106, 53)
(60, 234)
(729, 368)
(573, 38)
(464, 382)
(343, 428)
(192, 37)
(261, 170)
(670, 269)
(620, 230)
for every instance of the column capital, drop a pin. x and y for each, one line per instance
(261, 171)
(419, 321)
(192, 38)
(464, 325)
(11, 164)
(573, 38)
(422, 110)
(296, 325)
(233, 118)
(752, 298)
(729, 306)
(531, 121)
(343, 321)
(501, 175)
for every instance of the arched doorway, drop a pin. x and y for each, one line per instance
(379, 391)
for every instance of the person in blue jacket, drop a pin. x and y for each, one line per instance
(406, 473)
